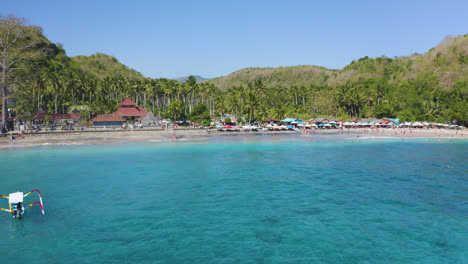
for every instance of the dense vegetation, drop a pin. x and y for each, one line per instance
(101, 65)
(430, 87)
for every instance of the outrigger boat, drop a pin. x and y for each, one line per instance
(15, 202)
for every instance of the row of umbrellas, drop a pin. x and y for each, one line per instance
(406, 124)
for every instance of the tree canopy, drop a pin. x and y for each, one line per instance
(431, 87)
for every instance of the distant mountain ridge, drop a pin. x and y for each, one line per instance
(198, 77)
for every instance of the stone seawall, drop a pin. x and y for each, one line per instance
(179, 132)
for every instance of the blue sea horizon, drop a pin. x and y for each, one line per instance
(233, 199)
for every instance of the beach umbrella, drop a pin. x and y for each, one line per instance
(227, 126)
(321, 125)
(327, 125)
(290, 126)
(314, 125)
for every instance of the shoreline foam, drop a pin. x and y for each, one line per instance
(94, 138)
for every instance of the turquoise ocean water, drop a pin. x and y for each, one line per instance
(270, 199)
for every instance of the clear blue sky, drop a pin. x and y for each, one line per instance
(214, 38)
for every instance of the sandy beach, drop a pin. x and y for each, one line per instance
(115, 136)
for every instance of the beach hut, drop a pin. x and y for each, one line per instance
(149, 120)
(107, 120)
(319, 120)
(271, 120)
(288, 120)
(56, 118)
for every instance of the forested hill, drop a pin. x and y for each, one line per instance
(101, 66)
(283, 76)
(421, 87)
(447, 62)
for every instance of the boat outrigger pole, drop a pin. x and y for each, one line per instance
(15, 203)
(40, 199)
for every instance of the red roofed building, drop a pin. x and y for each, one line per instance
(107, 120)
(127, 102)
(57, 118)
(129, 110)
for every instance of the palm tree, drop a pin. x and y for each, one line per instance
(175, 109)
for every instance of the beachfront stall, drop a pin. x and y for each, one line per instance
(288, 120)
(108, 120)
(149, 120)
(271, 121)
(40, 118)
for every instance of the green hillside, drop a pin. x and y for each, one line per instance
(282, 76)
(101, 66)
(425, 87)
(448, 61)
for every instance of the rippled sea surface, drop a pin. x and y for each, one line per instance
(231, 199)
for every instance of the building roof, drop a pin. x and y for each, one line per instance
(127, 102)
(148, 118)
(130, 111)
(269, 119)
(107, 118)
